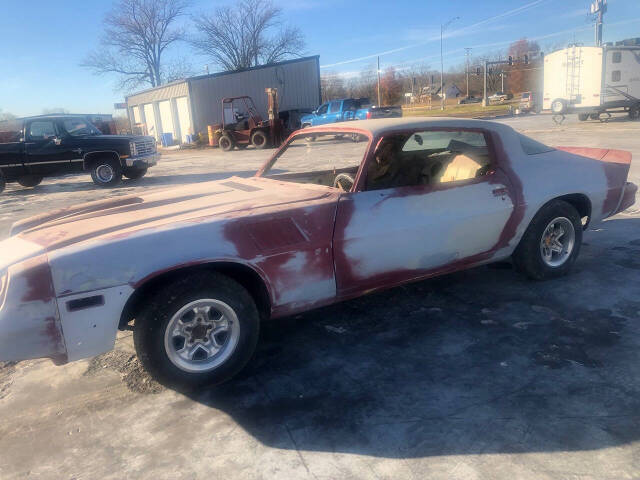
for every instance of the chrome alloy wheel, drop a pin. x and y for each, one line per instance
(202, 335)
(557, 242)
(105, 173)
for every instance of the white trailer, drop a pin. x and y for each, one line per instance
(592, 80)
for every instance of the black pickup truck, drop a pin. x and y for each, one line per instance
(50, 145)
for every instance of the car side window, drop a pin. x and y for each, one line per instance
(323, 109)
(334, 107)
(10, 131)
(42, 130)
(428, 158)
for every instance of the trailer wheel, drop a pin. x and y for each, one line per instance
(583, 117)
(259, 139)
(558, 106)
(225, 143)
(634, 112)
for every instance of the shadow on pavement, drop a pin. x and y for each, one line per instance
(482, 361)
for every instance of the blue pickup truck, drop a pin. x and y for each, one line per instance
(347, 109)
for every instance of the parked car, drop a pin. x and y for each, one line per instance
(530, 102)
(198, 267)
(348, 109)
(37, 147)
(500, 97)
(469, 99)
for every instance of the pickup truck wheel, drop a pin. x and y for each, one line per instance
(551, 243)
(199, 330)
(106, 172)
(30, 180)
(225, 143)
(134, 173)
(259, 139)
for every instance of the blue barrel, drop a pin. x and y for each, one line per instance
(167, 139)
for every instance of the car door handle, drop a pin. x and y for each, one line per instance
(500, 192)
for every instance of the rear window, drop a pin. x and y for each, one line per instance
(531, 147)
(10, 131)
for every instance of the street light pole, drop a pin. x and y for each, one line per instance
(442, 27)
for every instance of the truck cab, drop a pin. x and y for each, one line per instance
(50, 145)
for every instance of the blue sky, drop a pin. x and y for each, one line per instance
(44, 41)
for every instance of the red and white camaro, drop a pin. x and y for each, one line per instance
(337, 212)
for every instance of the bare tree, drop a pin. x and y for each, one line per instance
(249, 34)
(136, 37)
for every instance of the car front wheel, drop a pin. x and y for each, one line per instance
(199, 330)
(551, 243)
(106, 172)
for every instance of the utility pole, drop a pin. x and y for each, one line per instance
(379, 104)
(442, 27)
(467, 54)
(484, 91)
(599, 8)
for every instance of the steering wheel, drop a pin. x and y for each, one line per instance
(343, 181)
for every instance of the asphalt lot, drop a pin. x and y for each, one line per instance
(479, 374)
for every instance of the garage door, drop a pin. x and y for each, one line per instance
(166, 118)
(182, 104)
(150, 120)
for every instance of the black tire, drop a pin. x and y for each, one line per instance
(106, 172)
(3, 182)
(225, 143)
(594, 116)
(259, 139)
(558, 106)
(30, 180)
(135, 173)
(634, 112)
(583, 117)
(150, 326)
(528, 258)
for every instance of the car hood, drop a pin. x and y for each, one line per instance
(161, 209)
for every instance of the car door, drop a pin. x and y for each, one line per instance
(424, 221)
(44, 149)
(335, 111)
(321, 115)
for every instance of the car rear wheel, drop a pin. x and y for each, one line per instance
(225, 143)
(30, 180)
(106, 172)
(259, 139)
(199, 330)
(551, 243)
(135, 173)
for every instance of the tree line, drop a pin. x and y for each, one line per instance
(418, 79)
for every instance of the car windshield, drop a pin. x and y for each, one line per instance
(78, 127)
(318, 158)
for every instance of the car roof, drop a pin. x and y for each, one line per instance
(381, 126)
(54, 116)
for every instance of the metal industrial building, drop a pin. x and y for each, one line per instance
(187, 107)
